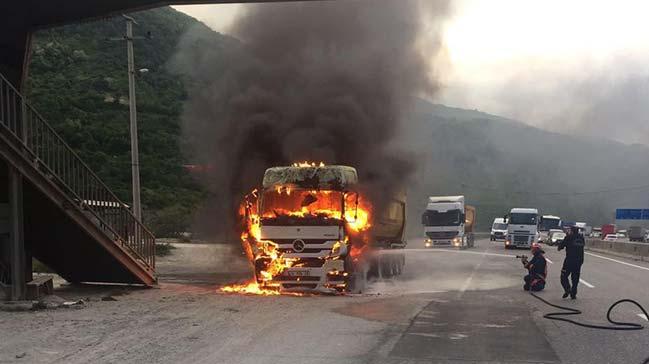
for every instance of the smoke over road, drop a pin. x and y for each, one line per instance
(320, 81)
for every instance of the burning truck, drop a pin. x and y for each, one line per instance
(310, 228)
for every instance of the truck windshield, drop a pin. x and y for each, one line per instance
(290, 206)
(446, 218)
(549, 224)
(499, 226)
(522, 219)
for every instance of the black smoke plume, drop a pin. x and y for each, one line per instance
(319, 81)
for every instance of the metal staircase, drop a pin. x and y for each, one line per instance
(73, 223)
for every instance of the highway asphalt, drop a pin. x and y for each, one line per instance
(449, 306)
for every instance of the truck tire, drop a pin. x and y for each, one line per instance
(386, 271)
(399, 266)
(385, 265)
(260, 265)
(357, 279)
(373, 270)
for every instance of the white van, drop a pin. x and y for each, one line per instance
(498, 229)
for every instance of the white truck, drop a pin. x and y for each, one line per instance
(499, 229)
(448, 221)
(309, 228)
(522, 228)
(547, 223)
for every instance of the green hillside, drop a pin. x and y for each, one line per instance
(78, 81)
(499, 164)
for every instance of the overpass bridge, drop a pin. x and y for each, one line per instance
(53, 207)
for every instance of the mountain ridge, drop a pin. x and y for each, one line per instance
(78, 82)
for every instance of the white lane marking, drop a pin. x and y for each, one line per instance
(643, 316)
(549, 261)
(619, 261)
(424, 334)
(467, 282)
(586, 283)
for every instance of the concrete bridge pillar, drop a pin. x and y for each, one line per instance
(13, 261)
(16, 236)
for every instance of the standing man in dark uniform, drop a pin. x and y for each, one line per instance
(574, 244)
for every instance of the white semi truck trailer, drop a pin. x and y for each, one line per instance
(522, 228)
(448, 221)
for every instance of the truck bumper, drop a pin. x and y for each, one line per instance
(443, 242)
(512, 242)
(329, 278)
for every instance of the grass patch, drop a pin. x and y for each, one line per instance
(38, 267)
(163, 249)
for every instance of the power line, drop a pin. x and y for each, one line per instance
(572, 193)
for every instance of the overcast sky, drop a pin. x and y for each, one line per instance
(578, 66)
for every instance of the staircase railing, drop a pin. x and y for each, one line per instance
(52, 156)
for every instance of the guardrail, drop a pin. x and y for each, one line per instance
(639, 250)
(49, 153)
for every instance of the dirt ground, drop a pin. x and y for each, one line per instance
(449, 306)
(185, 319)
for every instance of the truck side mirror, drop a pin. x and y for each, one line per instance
(424, 219)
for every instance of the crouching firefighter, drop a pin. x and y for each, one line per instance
(536, 268)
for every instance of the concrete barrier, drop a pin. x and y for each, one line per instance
(626, 249)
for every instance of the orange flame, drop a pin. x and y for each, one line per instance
(308, 164)
(291, 202)
(250, 288)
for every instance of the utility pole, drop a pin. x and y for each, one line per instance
(135, 158)
(135, 154)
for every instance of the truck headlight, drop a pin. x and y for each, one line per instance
(457, 241)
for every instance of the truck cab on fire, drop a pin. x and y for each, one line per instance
(309, 228)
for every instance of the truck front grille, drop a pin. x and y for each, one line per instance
(441, 234)
(520, 238)
(311, 247)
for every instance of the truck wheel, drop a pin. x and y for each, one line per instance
(386, 267)
(373, 271)
(399, 267)
(260, 265)
(357, 280)
(357, 283)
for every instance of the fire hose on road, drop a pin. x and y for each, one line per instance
(569, 311)
(617, 325)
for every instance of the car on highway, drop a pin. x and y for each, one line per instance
(596, 234)
(499, 229)
(555, 237)
(616, 237)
